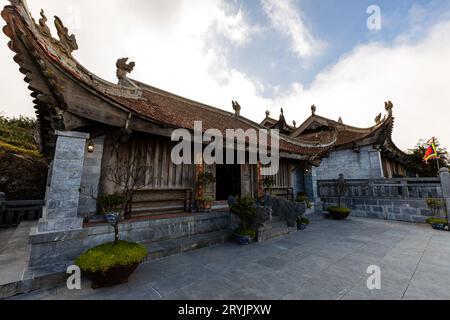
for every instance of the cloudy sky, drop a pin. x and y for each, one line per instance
(269, 54)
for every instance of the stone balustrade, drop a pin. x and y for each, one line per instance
(402, 199)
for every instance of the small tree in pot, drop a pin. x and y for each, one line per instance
(112, 263)
(204, 180)
(245, 209)
(339, 212)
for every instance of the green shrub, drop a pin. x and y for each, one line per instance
(245, 210)
(437, 221)
(304, 221)
(244, 233)
(435, 205)
(19, 133)
(107, 256)
(303, 198)
(112, 203)
(339, 210)
(205, 198)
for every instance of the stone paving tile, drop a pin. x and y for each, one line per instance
(327, 261)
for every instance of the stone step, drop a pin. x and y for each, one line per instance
(274, 230)
(161, 249)
(274, 224)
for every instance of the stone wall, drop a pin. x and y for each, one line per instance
(410, 210)
(365, 164)
(62, 248)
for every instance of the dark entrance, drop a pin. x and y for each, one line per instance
(228, 181)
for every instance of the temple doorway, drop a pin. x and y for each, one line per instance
(228, 181)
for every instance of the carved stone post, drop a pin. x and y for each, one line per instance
(63, 191)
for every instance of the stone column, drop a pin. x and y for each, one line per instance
(63, 191)
(444, 175)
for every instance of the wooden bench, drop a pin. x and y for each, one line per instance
(157, 201)
(282, 192)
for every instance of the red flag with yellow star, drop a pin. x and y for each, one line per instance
(431, 152)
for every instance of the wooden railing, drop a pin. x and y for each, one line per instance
(14, 212)
(417, 188)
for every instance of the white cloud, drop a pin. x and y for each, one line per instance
(414, 75)
(179, 46)
(289, 22)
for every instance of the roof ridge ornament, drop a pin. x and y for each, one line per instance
(42, 26)
(237, 108)
(123, 69)
(67, 42)
(313, 109)
(378, 119)
(267, 113)
(389, 106)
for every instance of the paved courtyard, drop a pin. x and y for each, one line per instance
(329, 260)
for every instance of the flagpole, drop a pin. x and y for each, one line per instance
(437, 155)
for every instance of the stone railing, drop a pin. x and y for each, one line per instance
(390, 199)
(415, 188)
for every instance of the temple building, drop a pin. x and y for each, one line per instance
(357, 153)
(133, 120)
(90, 127)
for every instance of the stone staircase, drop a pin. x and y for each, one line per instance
(273, 229)
(161, 249)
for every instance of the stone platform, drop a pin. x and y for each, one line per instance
(162, 237)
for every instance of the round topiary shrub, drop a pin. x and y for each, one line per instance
(111, 264)
(108, 255)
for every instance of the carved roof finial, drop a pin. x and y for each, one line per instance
(45, 30)
(378, 119)
(267, 113)
(389, 106)
(340, 120)
(313, 109)
(294, 123)
(282, 113)
(237, 108)
(123, 69)
(67, 42)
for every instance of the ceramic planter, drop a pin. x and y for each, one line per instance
(338, 215)
(205, 205)
(243, 240)
(113, 277)
(439, 226)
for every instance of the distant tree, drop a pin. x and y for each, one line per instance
(417, 165)
(19, 132)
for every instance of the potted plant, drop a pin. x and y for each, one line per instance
(339, 212)
(245, 209)
(111, 264)
(205, 203)
(204, 179)
(302, 197)
(438, 224)
(302, 223)
(111, 206)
